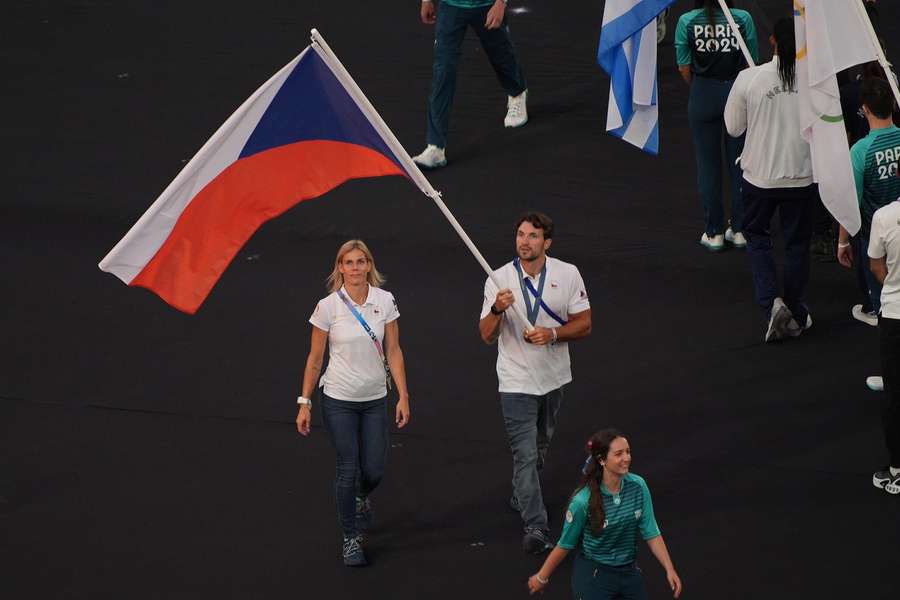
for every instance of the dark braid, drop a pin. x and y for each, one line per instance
(787, 52)
(592, 474)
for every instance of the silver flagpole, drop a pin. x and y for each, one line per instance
(324, 51)
(737, 33)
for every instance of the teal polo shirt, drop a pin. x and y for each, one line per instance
(628, 513)
(468, 3)
(709, 46)
(875, 160)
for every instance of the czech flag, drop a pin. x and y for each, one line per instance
(304, 132)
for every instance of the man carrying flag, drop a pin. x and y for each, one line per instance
(627, 53)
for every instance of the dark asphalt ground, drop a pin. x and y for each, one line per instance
(148, 454)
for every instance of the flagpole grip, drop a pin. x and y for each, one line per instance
(737, 34)
(879, 51)
(331, 59)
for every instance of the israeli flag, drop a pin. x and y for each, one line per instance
(628, 54)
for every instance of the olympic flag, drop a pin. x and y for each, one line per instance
(830, 37)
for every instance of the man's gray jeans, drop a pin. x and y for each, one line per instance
(530, 421)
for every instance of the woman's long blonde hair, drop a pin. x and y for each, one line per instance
(336, 279)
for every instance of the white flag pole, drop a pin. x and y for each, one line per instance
(879, 51)
(737, 33)
(328, 56)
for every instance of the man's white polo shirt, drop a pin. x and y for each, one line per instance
(355, 371)
(522, 367)
(884, 242)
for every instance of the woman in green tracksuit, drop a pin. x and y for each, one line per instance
(709, 59)
(607, 512)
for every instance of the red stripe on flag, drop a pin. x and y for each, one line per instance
(223, 216)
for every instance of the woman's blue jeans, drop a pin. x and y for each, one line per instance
(359, 433)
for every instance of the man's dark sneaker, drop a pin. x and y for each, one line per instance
(363, 513)
(887, 480)
(353, 552)
(514, 504)
(536, 541)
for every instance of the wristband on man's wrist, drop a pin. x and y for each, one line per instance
(843, 244)
(494, 311)
(304, 402)
(555, 335)
(540, 579)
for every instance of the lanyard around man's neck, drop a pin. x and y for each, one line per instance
(539, 303)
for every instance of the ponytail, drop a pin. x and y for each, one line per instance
(592, 474)
(592, 477)
(783, 31)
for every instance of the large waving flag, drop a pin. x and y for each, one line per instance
(628, 54)
(830, 37)
(301, 134)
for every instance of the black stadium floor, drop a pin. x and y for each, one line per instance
(148, 454)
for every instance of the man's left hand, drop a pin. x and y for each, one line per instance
(539, 336)
(495, 15)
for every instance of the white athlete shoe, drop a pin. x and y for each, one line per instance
(780, 320)
(875, 383)
(794, 329)
(713, 243)
(735, 239)
(869, 318)
(516, 112)
(431, 158)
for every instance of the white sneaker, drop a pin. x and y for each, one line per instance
(869, 318)
(516, 112)
(431, 158)
(736, 239)
(780, 320)
(875, 383)
(794, 329)
(714, 243)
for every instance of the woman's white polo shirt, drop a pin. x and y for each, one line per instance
(355, 371)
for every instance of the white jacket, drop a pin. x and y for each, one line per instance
(775, 156)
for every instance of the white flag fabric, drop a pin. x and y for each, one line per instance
(627, 53)
(830, 37)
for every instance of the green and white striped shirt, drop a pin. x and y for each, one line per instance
(627, 513)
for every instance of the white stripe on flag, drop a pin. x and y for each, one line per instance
(145, 238)
(628, 54)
